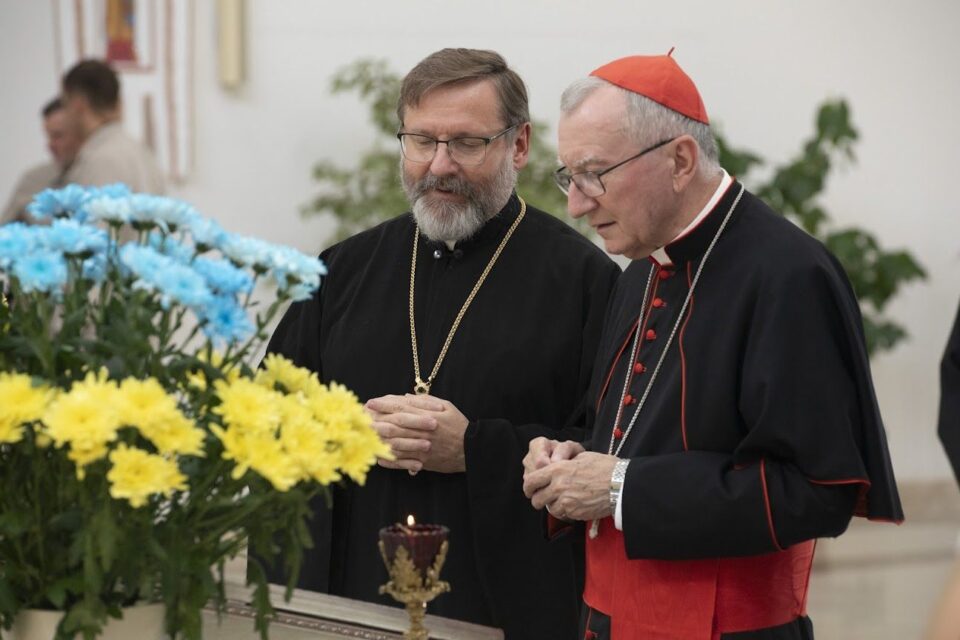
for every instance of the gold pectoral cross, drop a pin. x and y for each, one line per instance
(420, 387)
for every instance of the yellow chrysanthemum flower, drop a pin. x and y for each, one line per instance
(305, 441)
(279, 371)
(20, 402)
(311, 432)
(349, 430)
(84, 418)
(259, 451)
(174, 433)
(247, 405)
(140, 401)
(359, 452)
(136, 475)
(145, 404)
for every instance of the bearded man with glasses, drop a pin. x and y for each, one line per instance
(490, 310)
(735, 417)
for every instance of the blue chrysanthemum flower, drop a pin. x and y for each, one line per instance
(95, 267)
(297, 274)
(226, 321)
(181, 284)
(300, 291)
(68, 201)
(287, 265)
(205, 231)
(142, 260)
(16, 240)
(164, 275)
(109, 209)
(41, 271)
(164, 212)
(222, 276)
(250, 252)
(169, 246)
(72, 238)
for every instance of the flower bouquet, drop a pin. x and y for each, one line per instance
(138, 449)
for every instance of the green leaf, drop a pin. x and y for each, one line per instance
(106, 533)
(14, 523)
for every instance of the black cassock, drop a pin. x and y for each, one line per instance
(761, 429)
(523, 355)
(949, 428)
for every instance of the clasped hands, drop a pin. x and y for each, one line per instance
(570, 482)
(424, 432)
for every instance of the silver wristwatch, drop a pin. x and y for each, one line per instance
(616, 482)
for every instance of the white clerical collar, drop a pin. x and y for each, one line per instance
(660, 255)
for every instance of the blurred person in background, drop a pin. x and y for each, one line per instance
(91, 99)
(63, 141)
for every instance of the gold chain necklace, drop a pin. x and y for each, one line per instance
(421, 386)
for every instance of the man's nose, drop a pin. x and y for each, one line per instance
(578, 205)
(442, 164)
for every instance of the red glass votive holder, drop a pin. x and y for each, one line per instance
(422, 542)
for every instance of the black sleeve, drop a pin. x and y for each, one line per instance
(494, 448)
(708, 507)
(949, 428)
(798, 470)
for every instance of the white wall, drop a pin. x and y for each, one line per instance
(762, 67)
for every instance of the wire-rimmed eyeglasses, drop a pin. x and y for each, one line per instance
(464, 150)
(589, 182)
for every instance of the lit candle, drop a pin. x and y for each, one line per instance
(422, 542)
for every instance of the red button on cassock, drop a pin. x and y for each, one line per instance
(617, 433)
(651, 334)
(638, 368)
(628, 399)
(658, 303)
(665, 274)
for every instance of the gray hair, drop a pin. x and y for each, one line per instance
(648, 122)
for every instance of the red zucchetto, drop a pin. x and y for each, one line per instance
(659, 78)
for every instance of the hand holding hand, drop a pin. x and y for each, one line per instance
(574, 489)
(423, 431)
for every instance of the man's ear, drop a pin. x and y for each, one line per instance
(686, 160)
(521, 146)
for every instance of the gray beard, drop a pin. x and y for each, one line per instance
(444, 221)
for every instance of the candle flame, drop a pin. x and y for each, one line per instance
(410, 520)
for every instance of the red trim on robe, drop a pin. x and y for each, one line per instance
(860, 509)
(766, 504)
(613, 366)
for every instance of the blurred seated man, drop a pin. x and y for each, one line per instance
(62, 142)
(91, 98)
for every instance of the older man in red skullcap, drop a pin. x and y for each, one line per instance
(734, 416)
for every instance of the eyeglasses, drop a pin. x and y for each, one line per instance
(588, 182)
(464, 150)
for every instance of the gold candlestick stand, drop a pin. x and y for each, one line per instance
(414, 590)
